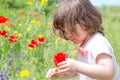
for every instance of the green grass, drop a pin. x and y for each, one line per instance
(111, 22)
(32, 59)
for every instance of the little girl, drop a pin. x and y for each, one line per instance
(80, 22)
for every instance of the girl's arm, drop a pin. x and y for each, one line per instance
(103, 69)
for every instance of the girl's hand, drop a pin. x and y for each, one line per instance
(68, 65)
(51, 73)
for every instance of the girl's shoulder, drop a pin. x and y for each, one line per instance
(96, 39)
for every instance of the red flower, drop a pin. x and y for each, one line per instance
(3, 33)
(33, 44)
(41, 40)
(59, 57)
(3, 19)
(13, 38)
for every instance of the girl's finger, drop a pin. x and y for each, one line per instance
(61, 63)
(61, 67)
(64, 70)
(50, 73)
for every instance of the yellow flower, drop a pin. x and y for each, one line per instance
(15, 32)
(43, 2)
(24, 73)
(20, 34)
(41, 35)
(20, 24)
(33, 22)
(28, 29)
(29, 3)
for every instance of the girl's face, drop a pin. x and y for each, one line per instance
(81, 37)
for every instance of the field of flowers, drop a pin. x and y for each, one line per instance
(28, 44)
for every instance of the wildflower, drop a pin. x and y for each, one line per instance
(33, 21)
(20, 34)
(33, 44)
(28, 29)
(3, 19)
(9, 62)
(18, 56)
(29, 3)
(41, 40)
(1, 76)
(59, 57)
(13, 38)
(3, 33)
(24, 73)
(20, 24)
(43, 2)
(15, 32)
(41, 35)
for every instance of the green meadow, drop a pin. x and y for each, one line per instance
(30, 21)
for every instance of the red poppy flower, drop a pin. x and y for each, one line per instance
(3, 19)
(3, 33)
(41, 40)
(59, 57)
(33, 43)
(13, 38)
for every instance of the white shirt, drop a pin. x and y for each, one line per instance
(96, 45)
